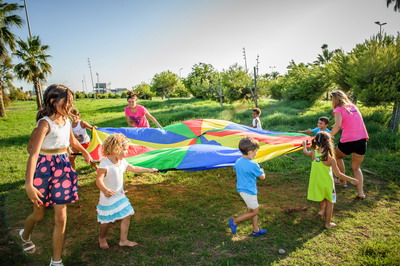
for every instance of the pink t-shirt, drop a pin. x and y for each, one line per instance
(353, 127)
(139, 117)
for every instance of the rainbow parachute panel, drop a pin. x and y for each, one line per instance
(194, 145)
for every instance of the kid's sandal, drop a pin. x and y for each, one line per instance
(260, 232)
(27, 245)
(56, 263)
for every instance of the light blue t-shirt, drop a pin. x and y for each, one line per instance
(317, 129)
(247, 173)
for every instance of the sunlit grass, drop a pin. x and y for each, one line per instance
(181, 217)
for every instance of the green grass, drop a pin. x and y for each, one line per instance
(181, 217)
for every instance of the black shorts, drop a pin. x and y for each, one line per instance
(358, 146)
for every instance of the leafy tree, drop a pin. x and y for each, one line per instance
(79, 95)
(201, 80)
(34, 67)
(17, 94)
(340, 70)
(181, 91)
(276, 88)
(374, 73)
(6, 78)
(305, 82)
(236, 82)
(165, 83)
(124, 94)
(144, 91)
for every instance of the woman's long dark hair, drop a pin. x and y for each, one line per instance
(52, 95)
(132, 94)
(324, 141)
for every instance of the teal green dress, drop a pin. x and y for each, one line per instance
(321, 185)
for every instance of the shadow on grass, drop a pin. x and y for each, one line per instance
(15, 141)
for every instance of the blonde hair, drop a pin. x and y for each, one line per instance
(340, 99)
(324, 141)
(114, 144)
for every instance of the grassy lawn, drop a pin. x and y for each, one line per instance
(181, 217)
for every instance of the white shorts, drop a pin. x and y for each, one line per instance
(250, 200)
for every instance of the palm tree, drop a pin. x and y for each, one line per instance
(34, 67)
(7, 20)
(6, 77)
(396, 3)
(7, 40)
(325, 57)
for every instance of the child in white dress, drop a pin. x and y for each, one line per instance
(113, 204)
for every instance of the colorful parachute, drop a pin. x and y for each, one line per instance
(196, 144)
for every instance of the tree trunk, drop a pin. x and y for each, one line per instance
(39, 96)
(395, 120)
(2, 105)
(220, 98)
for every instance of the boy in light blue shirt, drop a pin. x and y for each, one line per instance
(323, 123)
(247, 172)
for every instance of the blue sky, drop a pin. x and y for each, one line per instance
(129, 41)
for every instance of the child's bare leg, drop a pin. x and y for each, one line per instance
(256, 228)
(102, 236)
(60, 222)
(329, 214)
(340, 163)
(32, 220)
(246, 216)
(72, 161)
(322, 206)
(123, 240)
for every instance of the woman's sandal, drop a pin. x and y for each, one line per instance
(56, 263)
(27, 245)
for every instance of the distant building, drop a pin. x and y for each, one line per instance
(101, 88)
(118, 90)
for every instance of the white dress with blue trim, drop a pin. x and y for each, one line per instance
(117, 206)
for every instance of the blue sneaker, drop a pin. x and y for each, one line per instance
(232, 226)
(260, 232)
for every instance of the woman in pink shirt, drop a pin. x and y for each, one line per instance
(136, 114)
(354, 136)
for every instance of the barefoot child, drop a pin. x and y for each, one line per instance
(247, 173)
(50, 180)
(113, 204)
(79, 129)
(322, 125)
(256, 123)
(321, 186)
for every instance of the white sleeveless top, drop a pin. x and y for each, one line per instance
(81, 132)
(58, 136)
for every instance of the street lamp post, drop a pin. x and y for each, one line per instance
(380, 26)
(245, 59)
(27, 19)
(180, 72)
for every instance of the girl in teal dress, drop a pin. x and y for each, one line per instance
(321, 186)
